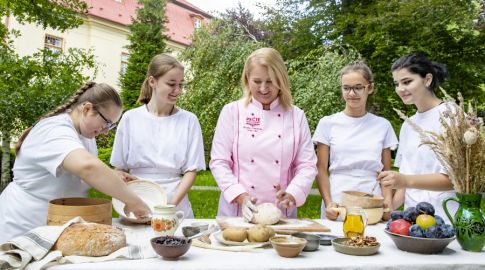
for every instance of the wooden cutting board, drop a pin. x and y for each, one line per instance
(284, 226)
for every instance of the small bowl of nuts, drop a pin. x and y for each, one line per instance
(357, 246)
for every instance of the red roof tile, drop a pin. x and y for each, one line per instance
(180, 15)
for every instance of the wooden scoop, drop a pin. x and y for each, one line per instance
(371, 194)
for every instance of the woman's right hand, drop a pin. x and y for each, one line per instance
(247, 206)
(330, 211)
(140, 209)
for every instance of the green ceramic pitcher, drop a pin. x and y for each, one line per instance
(468, 221)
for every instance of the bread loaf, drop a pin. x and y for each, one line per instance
(90, 239)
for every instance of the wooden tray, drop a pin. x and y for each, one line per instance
(284, 226)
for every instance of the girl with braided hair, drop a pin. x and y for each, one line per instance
(56, 157)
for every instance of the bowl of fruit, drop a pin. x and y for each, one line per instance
(419, 230)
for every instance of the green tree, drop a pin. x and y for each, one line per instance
(33, 85)
(446, 30)
(60, 14)
(449, 31)
(315, 81)
(216, 57)
(146, 40)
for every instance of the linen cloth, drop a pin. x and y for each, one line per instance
(389, 256)
(32, 251)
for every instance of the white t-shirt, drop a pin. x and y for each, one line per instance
(413, 158)
(39, 176)
(356, 146)
(160, 149)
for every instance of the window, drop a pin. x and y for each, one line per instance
(197, 22)
(53, 43)
(124, 63)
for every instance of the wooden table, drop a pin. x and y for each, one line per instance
(389, 257)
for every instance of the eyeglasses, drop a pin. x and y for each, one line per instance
(108, 124)
(356, 88)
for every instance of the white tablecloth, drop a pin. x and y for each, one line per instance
(389, 257)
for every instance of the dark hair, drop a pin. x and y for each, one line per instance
(159, 65)
(100, 95)
(419, 64)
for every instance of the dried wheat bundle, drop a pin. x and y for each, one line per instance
(460, 147)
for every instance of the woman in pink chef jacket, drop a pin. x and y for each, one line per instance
(262, 149)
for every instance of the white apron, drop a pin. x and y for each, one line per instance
(170, 182)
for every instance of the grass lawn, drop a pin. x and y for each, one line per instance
(204, 202)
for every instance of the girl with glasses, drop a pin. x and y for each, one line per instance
(57, 158)
(352, 145)
(158, 141)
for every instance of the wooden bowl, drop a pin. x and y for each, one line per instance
(95, 210)
(170, 247)
(288, 246)
(357, 198)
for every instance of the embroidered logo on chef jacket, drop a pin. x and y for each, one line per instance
(253, 123)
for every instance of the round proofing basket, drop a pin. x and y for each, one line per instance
(90, 209)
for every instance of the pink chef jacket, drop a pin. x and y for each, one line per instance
(253, 150)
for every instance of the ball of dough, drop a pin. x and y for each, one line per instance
(268, 214)
(235, 234)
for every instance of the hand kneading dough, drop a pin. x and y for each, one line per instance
(90, 239)
(268, 214)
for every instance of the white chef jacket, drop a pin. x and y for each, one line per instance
(160, 149)
(39, 176)
(414, 158)
(356, 145)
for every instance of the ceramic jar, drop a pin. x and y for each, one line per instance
(165, 219)
(468, 221)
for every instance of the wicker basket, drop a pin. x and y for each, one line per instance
(90, 209)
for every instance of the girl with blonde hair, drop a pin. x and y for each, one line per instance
(262, 150)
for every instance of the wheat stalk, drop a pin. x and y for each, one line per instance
(460, 147)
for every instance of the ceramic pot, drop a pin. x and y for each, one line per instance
(468, 221)
(165, 220)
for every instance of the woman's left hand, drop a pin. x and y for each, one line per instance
(284, 199)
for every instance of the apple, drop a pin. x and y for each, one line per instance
(400, 226)
(425, 221)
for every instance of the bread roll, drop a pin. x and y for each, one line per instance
(90, 239)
